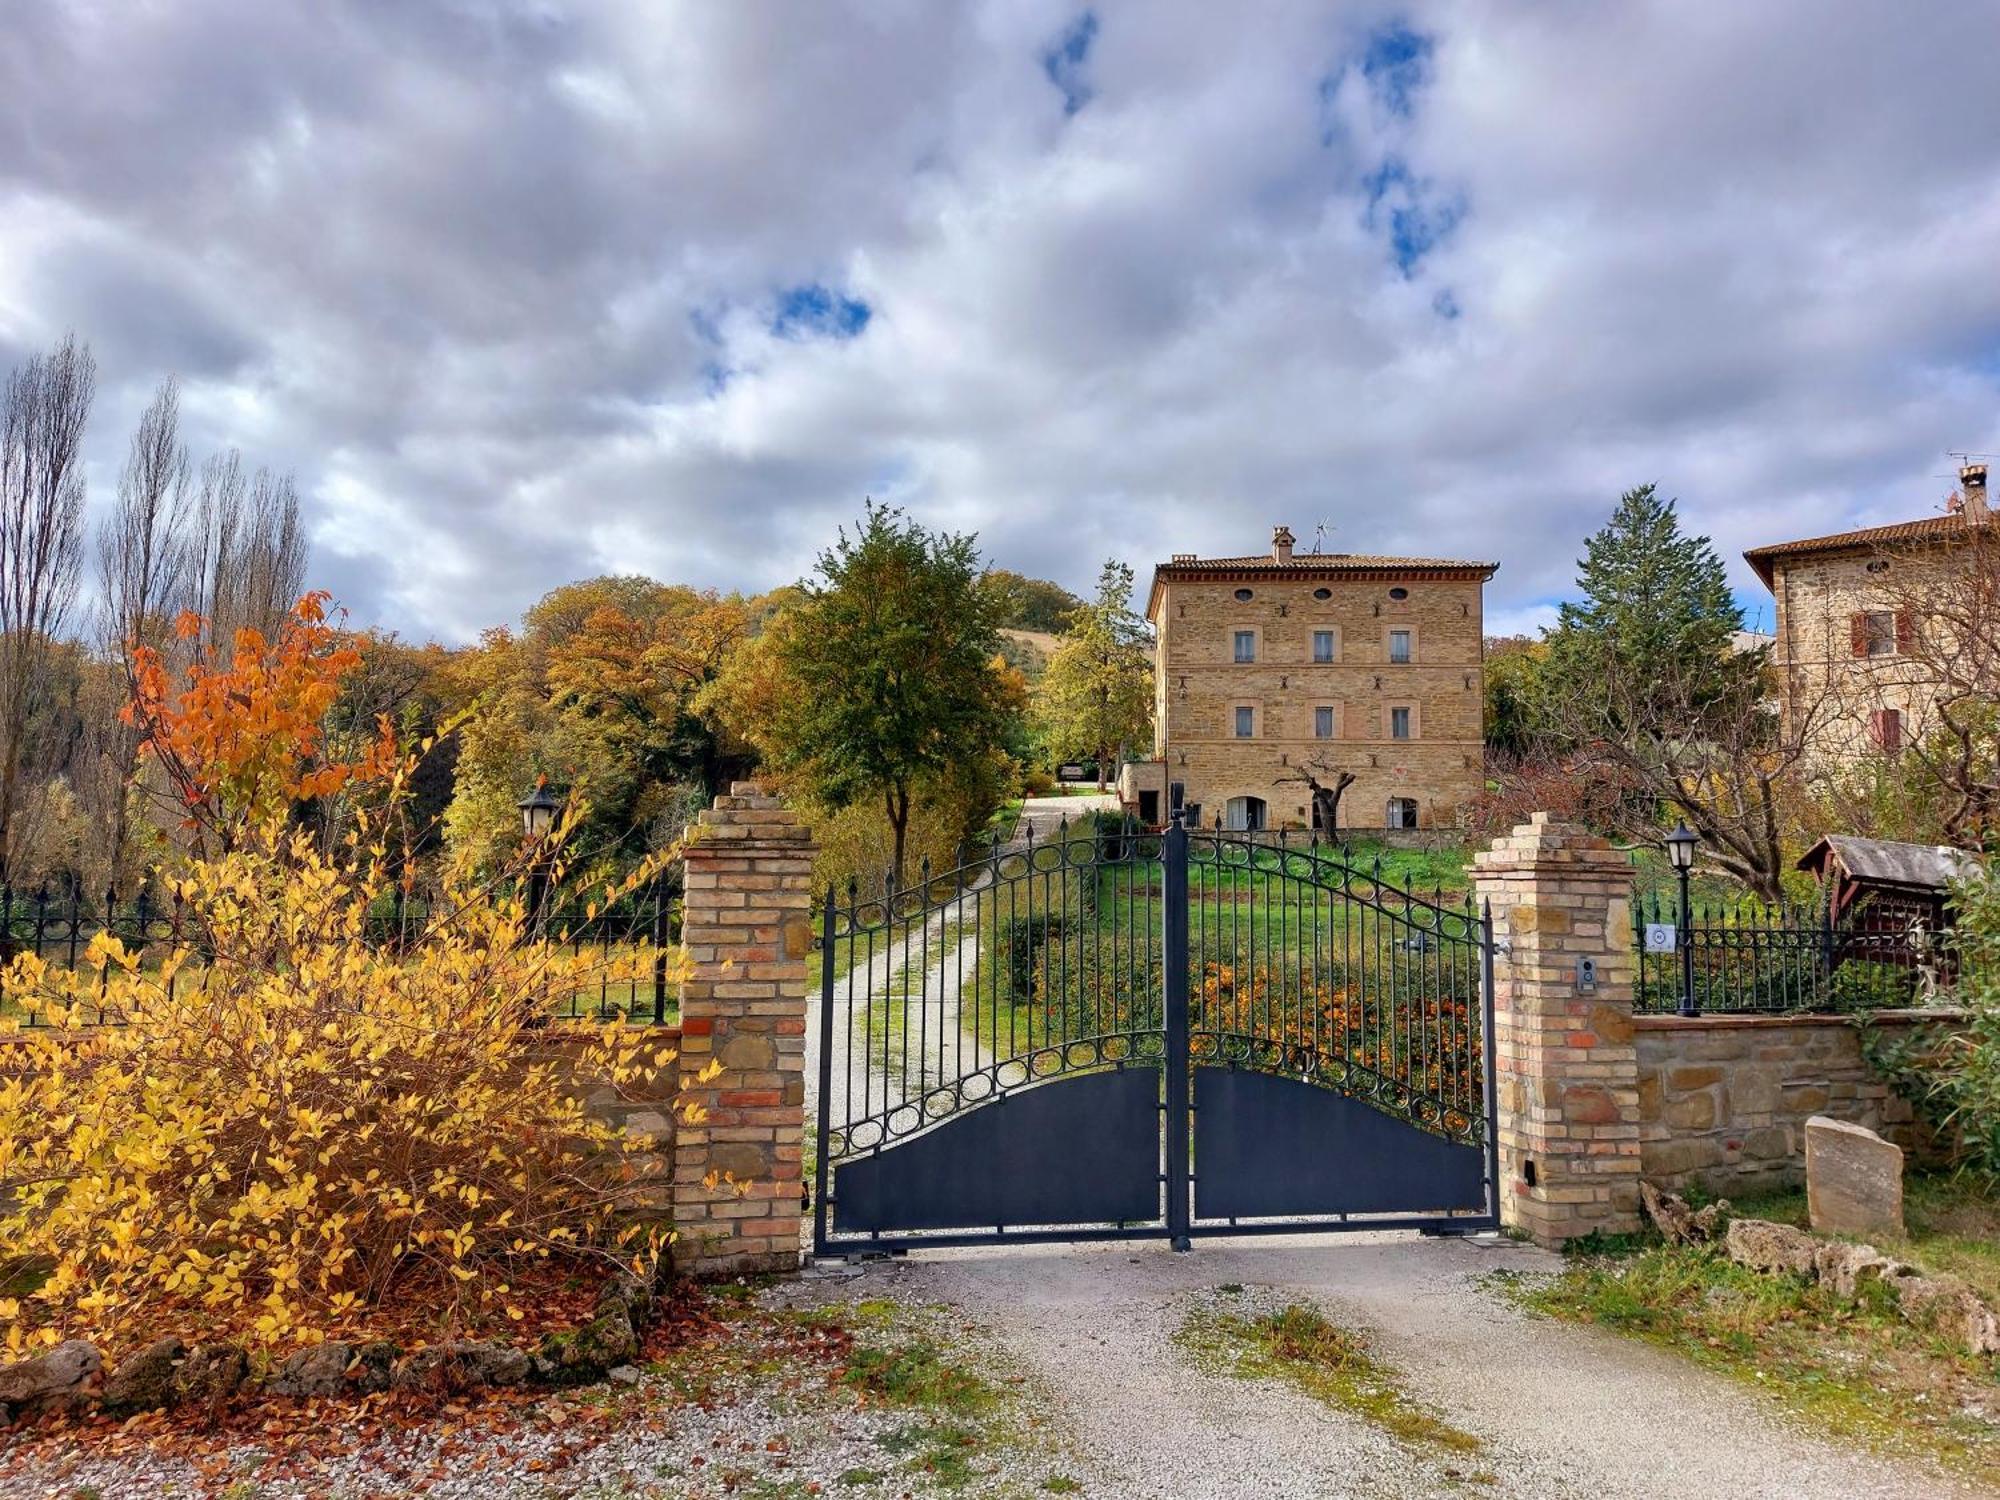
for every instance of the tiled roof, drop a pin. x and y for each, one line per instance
(1331, 562)
(1312, 565)
(1930, 529)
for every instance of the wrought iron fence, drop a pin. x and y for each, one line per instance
(57, 926)
(1749, 958)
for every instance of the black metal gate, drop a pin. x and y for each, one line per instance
(1124, 1034)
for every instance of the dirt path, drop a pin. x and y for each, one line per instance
(1562, 1411)
(919, 980)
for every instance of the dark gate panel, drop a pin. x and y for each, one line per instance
(1266, 1146)
(1074, 1151)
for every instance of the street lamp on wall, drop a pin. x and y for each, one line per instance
(1680, 853)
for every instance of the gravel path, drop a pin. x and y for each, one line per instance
(1563, 1411)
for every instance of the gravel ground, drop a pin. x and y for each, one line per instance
(1097, 1393)
(1563, 1411)
(745, 1420)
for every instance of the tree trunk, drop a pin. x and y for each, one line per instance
(898, 806)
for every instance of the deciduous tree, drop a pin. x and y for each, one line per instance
(1097, 695)
(882, 682)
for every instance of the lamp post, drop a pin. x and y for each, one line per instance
(1680, 850)
(538, 810)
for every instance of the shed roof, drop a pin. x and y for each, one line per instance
(1929, 867)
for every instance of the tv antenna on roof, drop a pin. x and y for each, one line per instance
(1319, 537)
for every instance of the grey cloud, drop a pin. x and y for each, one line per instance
(472, 270)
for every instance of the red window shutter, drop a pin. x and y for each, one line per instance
(1906, 632)
(1857, 633)
(1892, 730)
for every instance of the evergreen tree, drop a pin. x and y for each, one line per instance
(1651, 645)
(1097, 694)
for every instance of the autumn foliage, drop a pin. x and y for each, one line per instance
(242, 741)
(280, 1124)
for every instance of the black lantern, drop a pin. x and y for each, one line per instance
(1680, 847)
(538, 810)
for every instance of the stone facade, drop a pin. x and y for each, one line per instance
(747, 925)
(1850, 622)
(1563, 1038)
(1323, 684)
(1724, 1100)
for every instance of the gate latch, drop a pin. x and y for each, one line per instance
(1586, 976)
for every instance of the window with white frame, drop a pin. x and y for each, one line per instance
(1323, 722)
(1246, 645)
(1324, 645)
(1400, 642)
(1246, 722)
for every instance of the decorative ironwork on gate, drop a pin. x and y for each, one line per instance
(1118, 1032)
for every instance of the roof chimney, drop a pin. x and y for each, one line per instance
(1972, 487)
(1281, 542)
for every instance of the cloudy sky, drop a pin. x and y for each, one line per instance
(527, 290)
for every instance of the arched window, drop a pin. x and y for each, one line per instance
(1244, 814)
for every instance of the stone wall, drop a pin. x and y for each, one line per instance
(1723, 1100)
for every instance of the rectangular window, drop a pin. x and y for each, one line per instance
(1875, 632)
(1399, 645)
(1246, 645)
(1402, 812)
(1885, 728)
(1246, 723)
(1323, 723)
(1322, 645)
(1399, 723)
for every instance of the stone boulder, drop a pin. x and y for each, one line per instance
(1775, 1249)
(147, 1381)
(1949, 1308)
(1854, 1179)
(1678, 1223)
(463, 1367)
(374, 1367)
(1845, 1269)
(317, 1371)
(48, 1379)
(212, 1372)
(584, 1354)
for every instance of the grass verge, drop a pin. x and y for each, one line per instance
(1853, 1371)
(1299, 1346)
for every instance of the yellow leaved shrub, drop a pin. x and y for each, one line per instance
(284, 1122)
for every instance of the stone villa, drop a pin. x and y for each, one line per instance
(1277, 676)
(1852, 624)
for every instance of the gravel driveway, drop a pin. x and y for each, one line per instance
(1564, 1411)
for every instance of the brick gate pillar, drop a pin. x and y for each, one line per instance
(747, 924)
(1565, 1064)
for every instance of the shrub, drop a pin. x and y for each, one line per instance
(1955, 1071)
(275, 1126)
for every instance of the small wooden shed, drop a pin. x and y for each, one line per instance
(1880, 887)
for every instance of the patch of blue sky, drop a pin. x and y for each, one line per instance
(815, 311)
(1396, 63)
(1414, 217)
(1066, 58)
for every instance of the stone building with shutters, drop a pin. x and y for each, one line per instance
(1857, 654)
(1281, 676)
